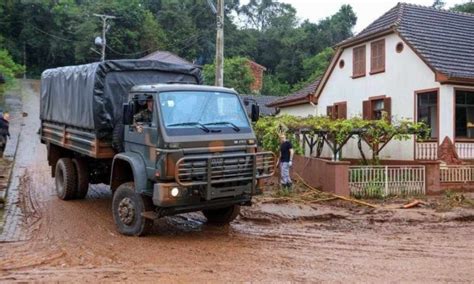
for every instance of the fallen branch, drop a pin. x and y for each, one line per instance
(335, 195)
(413, 204)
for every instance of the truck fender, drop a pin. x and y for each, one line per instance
(128, 167)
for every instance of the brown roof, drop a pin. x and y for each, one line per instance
(298, 97)
(166, 56)
(257, 65)
(443, 39)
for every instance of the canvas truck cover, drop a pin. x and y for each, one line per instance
(91, 96)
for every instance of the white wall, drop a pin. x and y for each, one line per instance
(404, 74)
(299, 110)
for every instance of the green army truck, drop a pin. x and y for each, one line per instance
(164, 143)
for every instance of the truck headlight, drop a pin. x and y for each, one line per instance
(174, 191)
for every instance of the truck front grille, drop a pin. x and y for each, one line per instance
(219, 169)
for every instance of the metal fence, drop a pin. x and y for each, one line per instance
(382, 181)
(426, 151)
(452, 173)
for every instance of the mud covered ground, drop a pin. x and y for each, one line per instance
(270, 241)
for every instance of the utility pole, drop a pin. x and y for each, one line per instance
(104, 30)
(220, 44)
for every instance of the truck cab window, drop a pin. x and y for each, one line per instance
(144, 111)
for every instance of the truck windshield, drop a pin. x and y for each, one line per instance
(202, 110)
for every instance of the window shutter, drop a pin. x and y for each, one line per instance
(342, 111)
(329, 111)
(373, 56)
(335, 111)
(387, 102)
(366, 110)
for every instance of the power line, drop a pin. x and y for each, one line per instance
(51, 35)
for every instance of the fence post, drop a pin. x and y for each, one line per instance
(386, 180)
(432, 176)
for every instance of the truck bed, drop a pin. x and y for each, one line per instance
(77, 140)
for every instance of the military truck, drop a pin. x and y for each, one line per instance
(195, 149)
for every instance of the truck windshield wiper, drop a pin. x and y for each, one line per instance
(235, 127)
(197, 124)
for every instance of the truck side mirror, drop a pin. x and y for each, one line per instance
(128, 111)
(255, 115)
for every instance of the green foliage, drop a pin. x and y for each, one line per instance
(273, 87)
(8, 69)
(467, 7)
(438, 4)
(237, 74)
(337, 131)
(62, 32)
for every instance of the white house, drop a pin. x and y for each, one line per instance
(413, 62)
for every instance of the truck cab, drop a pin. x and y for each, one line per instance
(185, 148)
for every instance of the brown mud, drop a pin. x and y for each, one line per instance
(270, 241)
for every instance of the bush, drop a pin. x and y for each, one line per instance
(8, 69)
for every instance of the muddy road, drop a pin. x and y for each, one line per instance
(77, 241)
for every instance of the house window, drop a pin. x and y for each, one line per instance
(377, 56)
(464, 114)
(337, 111)
(374, 108)
(377, 108)
(427, 111)
(358, 62)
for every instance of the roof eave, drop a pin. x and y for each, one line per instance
(446, 79)
(293, 102)
(370, 36)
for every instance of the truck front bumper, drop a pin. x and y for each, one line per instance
(175, 195)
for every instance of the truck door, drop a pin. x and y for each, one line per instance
(141, 135)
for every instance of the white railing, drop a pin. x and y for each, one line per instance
(426, 151)
(381, 181)
(465, 150)
(450, 173)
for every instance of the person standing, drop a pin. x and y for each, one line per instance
(285, 161)
(4, 132)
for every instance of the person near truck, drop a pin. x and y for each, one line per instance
(285, 161)
(4, 132)
(146, 114)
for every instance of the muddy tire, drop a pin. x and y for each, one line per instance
(127, 207)
(65, 179)
(82, 171)
(221, 216)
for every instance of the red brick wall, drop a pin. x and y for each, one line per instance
(325, 175)
(257, 72)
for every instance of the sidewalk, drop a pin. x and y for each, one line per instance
(10, 222)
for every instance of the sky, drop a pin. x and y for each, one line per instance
(366, 10)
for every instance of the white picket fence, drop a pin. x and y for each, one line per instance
(426, 151)
(381, 181)
(465, 150)
(455, 173)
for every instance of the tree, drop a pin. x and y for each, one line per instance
(261, 14)
(8, 69)
(237, 74)
(467, 7)
(438, 4)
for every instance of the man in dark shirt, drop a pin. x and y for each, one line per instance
(285, 161)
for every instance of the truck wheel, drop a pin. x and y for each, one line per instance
(127, 207)
(222, 216)
(65, 179)
(82, 171)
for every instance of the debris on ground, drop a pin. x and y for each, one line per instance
(414, 203)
